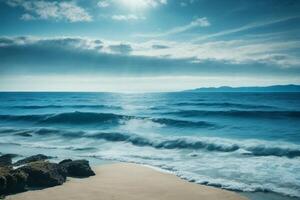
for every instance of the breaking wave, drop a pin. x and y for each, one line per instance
(245, 147)
(82, 118)
(209, 144)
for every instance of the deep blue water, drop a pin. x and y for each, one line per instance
(241, 141)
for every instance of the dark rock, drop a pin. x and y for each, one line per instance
(65, 161)
(44, 174)
(38, 157)
(17, 182)
(77, 168)
(3, 173)
(12, 181)
(6, 159)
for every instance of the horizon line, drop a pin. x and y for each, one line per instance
(141, 92)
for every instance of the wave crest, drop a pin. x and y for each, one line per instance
(81, 118)
(201, 143)
(224, 105)
(238, 113)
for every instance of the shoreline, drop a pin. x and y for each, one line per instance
(128, 181)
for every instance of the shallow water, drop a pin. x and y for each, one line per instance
(247, 142)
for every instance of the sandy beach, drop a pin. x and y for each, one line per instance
(128, 182)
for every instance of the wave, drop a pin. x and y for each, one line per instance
(246, 147)
(194, 143)
(67, 118)
(37, 107)
(273, 151)
(209, 144)
(237, 113)
(224, 105)
(28, 118)
(239, 186)
(81, 118)
(67, 106)
(8, 130)
(184, 123)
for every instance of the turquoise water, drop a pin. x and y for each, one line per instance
(248, 142)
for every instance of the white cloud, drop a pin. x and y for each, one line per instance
(56, 10)
(127, 17)
(27, 17)
(151, 3)
(103, 4)
(199, 22)
(132, 3)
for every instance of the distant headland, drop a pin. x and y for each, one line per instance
(273, 88)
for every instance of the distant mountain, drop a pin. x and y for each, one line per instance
(273, 88)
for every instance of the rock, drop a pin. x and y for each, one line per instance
(77, 168)
(6, 159)
(16, 182)
(3, 173)
(38, 157)
(44, 174)
(65, 161)
(12, 181)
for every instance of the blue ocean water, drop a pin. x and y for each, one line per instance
(246, 142)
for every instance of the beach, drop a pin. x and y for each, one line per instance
(128, 182)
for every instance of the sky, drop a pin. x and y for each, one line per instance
(147, 45)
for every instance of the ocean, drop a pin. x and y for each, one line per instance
(246, 142)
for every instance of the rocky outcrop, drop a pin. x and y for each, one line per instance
(44, 174)
(38, 173)
(6, 159)
(38, 157)
(12, 181)
(65, 161)
(77, 168)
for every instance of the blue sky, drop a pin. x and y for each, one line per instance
(147, 45)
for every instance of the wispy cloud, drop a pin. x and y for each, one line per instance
(152, 3)
(129, 17)
(199, 22)
(103, 3)
(27, 17)
(245, 28)
(186, 3)
(133, 3)
(244, 51)
(47, 10)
